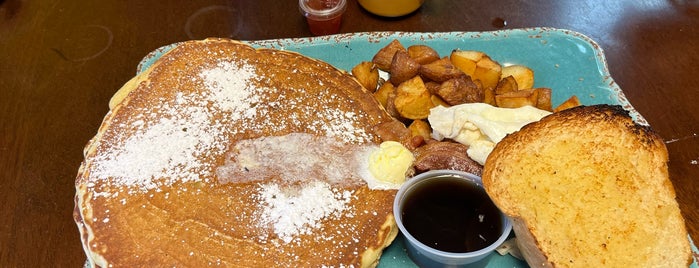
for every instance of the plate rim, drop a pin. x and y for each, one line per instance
(378, 36)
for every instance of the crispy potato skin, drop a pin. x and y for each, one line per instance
(522, 74)
(384, 57)
(383, 92)
(423, 54)
(516, 99)
(506, 84)
(544, 99)
(367, 74)
(403, 67)
(413, 99)
(571, 102)
(460, 90)
(440, 70)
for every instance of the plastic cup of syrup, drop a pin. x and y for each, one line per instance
(323, 16)
(448, 219)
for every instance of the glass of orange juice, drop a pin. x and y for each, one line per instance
(391, 8)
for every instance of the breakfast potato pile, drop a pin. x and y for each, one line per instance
(421, 79)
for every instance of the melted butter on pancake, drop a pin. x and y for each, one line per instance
(296, 157)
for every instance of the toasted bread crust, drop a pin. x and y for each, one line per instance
(587, 187)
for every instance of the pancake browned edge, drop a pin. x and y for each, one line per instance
(153, 190)
(587, 187)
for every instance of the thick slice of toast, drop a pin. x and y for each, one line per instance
(587, 187)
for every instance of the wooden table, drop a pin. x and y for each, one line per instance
(61, 61)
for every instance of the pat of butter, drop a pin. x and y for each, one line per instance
(389, 164)
(480, 125)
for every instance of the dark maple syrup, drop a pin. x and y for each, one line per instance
(451, 215)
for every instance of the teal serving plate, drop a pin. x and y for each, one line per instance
(566, 61)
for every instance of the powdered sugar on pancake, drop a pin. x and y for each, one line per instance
(230, 89)
(173, 137)
(291, 211)
(168, 145)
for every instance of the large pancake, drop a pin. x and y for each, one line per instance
(222, 154)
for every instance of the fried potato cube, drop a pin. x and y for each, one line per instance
(507, 84)
(423, 54)
(516, 99)
(384, 56)
(432, 86)
(488, 72)
(466, 60)
(413, 99)
(571, 102)
(489, 96)
(440, 70)
(437, 101)
(544, 98)
(391, 106)
(478, 65)
(420, 128)
(522, 74)
(403, 67)
(381, 95)
(460, 90)
(367, 74)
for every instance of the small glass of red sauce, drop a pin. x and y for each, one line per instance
(323, 16)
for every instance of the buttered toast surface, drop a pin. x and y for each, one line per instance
(587, 187)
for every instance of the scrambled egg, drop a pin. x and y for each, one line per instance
(480, 125)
